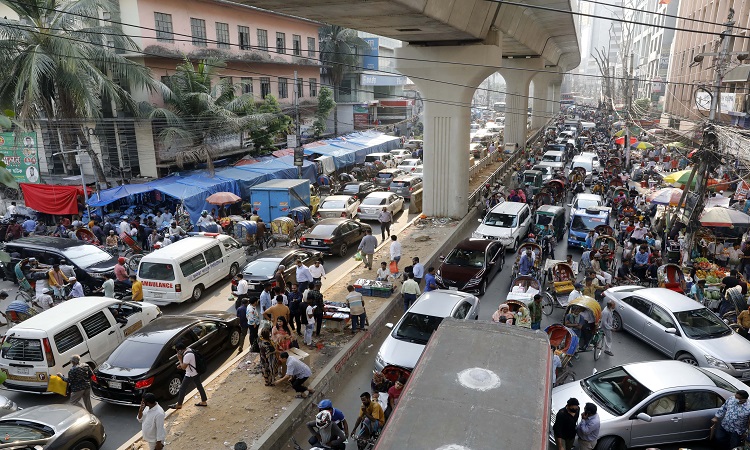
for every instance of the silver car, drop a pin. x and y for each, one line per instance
(405, 344)
(650, 403)
(335, 206)
(53, 427)
(376, 201)
(680, 328)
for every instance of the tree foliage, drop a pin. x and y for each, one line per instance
(325, 105)
(264, 138)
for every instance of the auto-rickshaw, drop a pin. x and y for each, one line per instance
(551, 215)
(532, 179)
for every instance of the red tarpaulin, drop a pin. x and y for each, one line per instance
(52, 199)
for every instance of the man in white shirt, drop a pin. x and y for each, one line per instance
(241, 291)
(77, 290)
(187, 363)
(383, 273)
(125, 226)
(167, 216)
(11, 209)
(67, 269)
(45, 300)
(608, 325)
(151, 416)
(573, 265)
(395, 249)
(304, 277)
(417, 269)
(175, 231)
(317, 271)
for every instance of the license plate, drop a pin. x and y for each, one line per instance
(453, 288)
(22, 370)
(314, 242)
(115, 384)
(370, 211)
(157, 294)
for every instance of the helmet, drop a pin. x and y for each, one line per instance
(204, 213)
(325, 404)
(531, 236)
(121, 260)
(323, 419)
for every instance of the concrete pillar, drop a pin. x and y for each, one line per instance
(542, 108)
(517, 74)
(447, 90)
(554, 92)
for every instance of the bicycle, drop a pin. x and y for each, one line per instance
(566, 376)
(597, 343)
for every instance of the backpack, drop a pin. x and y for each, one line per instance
(200, 362)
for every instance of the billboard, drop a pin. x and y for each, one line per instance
(21, 158)
(370, 57)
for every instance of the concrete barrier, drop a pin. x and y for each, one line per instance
(415, 203)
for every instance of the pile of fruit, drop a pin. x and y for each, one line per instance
(702, 264)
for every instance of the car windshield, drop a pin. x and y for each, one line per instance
(156, 271)
(385, 175)
(261, 268)
(85, 256)
(20, 431)
(529, 178)
(542, 219)
(718, 380)
(351, 188)
(702, 324)
(374, 201)
(133, 354)
(18, 349)
(585, 164)
(500, 220)
(583, 203)
(323, 230)
(467, 258)
(551, 158)
(417, 328)
(582, 223)
(333, 204)
(616, 390)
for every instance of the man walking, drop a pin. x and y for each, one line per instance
(79, 383)
(417, 270)
(356, 305)
(317, 271)
(304, 277)
(410, 291)
(242, 289)
(242, 315)
(395, 249)
(731, 421)
(188, 363)
(151, 416)
(385, 217)
(367, 247)
(535, 311)
(265, 298)
(608, 325)
(565, 425)
(318, 304)
(588, 428)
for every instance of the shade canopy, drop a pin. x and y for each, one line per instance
(724, 217)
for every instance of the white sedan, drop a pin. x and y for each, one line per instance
(335, 206)
(411, 165)
(376, 201)
(400, 154)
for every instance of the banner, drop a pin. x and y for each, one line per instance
(742, 190)
(370, 59)
(21, 157)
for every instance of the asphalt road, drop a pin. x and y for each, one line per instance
(119, 421)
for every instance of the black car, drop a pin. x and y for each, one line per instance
(90, 261)
(147, 362)
(334, 236)
(261, 269)
(471, 265)
(359, 189)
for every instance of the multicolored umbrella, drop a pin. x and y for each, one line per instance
(665, 196)
(620, 133)
(223, 198)
(641, 145)
(621, 140)
(680, 177)
(724, 217)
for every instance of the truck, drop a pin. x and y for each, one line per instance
(477, 385)
(275, 198)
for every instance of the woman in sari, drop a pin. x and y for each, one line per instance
(503, 311)
(281, 334)
(268, 362)
(523, 318)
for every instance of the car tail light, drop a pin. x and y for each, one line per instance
(48, 353)
(328, 241)
(94, 379)
(411, 189)
(302, 239)
(343, 214)
(2, 340)
(390, 188)
(178, 287)
(359, 210)
(142, 384)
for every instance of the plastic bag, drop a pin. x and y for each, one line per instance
(358, 255)
(394, 267)
(57, 385)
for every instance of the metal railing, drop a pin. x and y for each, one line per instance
(480, 165)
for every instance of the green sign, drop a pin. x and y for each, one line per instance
(21, 158)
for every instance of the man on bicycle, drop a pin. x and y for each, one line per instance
(325, 433)
(371, 417)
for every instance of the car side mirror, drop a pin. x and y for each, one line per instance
(570, 205)
(479, 220)
(644, 417)
(389, 325)
(441, 258)
(671, 330)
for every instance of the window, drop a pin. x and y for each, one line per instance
(19, 349)
(280, 42)
(283, 93)
(313, 87)
(345, 88)
(156, 271)
(296, 45)
(243, 36)
(667, 404)
(300, 89)
(462, 310)
(638, 304)
(311, 47)
(95, 324)
(222, 35)
(247, 85)
(68, 338)
(193, 265)
(163, 25)
(702, 400)
(203, 329)
(198, 30)
(265, 86)
(263, 40)
(661, 317)
(213, 254)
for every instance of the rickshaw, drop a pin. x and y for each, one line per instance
(134, 252)
(245, 232)
(535, 249)
(559, 281)
(614, 165)
(394, 373)
(283, 230)
(551, 215)
(607, 248)
(515, 305)
(616, 182)
(597, 337)
(599, 187)
(524, 288)
(86, 235)
(604, 230)
(670, 276)
(558, 185)
(566, 343)
(614, 192)
(327, 185)
(545, 196)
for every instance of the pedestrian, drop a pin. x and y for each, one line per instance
(588, 428)
(188, 363)
(304, 277)
(253, 323)
(385, 217)
(296, 308)
(265, 298)
(108, 286)
(318, 306)
(267, 354)
(278, 310)
(79, 383)
(242, 316)
(608, 326)
(564, 428)
(535, 311)
(241, 291)
(297, 374)
(136, 288)
(409, 291)
(730, 421)
(76, 289)
(317, 271)
(310, 319)
(367, 247)
(151, 416)
(430, 284)
(417, 269)
(356, 304)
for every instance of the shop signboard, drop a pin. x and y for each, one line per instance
(20, 156)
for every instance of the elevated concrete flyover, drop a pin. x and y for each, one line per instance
(452, 46)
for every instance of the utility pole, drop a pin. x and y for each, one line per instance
(628, 112)
(298, 150)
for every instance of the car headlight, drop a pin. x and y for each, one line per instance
(476, 235)
(9, 404)
(379, 361)
(716, 362)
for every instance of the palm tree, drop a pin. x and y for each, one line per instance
(54, 65)
(195, 115)
(339, 50)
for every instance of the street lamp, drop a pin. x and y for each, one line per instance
(83, 181)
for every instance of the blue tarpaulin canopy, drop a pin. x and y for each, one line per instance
(110, 195)
(353, 148)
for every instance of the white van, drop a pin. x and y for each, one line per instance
(183, 270)
(91, 327)
(587, 163)
(508, 222)
(378, 157)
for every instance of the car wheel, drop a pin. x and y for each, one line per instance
(483, 287)
(609, 443)
(688, 359)
(515, 245)
(173, 386)
(197, 292)
(85, 445)
(343, 250)
(616, 321)
(234, 338)
(233, 270)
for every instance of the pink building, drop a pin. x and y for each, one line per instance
(262, 49)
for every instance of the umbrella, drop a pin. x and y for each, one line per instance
(676, 144)
(641, 145)
(665, 196)
(724, 217)
(223, 198)
(621, 140)
(620, 133)
(680, 177)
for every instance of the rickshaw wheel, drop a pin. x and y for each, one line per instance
(567, 377)
(598, 346)
(548, 304)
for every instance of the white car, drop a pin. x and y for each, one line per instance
(411, 165)
(335, 206)
(376, 201)
(400, 154)
(413, 144)
(508, 222)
